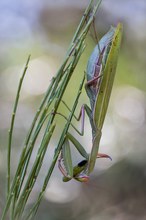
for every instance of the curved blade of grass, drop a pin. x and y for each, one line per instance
(12, 126)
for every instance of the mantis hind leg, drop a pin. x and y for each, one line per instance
(81, 116)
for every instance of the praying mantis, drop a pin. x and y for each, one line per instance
(100, 74)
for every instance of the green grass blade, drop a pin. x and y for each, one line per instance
(12, 126)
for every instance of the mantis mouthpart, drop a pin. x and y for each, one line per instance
(100, 73)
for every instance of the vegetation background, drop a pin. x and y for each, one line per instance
(44, 29)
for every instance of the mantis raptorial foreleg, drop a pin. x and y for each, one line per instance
(65, 160)
(78, 172)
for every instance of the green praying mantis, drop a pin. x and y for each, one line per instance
(100, 74)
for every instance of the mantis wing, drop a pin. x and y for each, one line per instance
(97, 60)
(102, 100)
(105, 40)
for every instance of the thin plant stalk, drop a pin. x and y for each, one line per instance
(23, 195)
(54, 94)
(33, 211)
(12, 126)
(85, 30)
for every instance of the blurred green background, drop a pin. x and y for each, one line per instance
(116, 189)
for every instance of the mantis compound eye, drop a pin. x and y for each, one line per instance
(82, 163)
